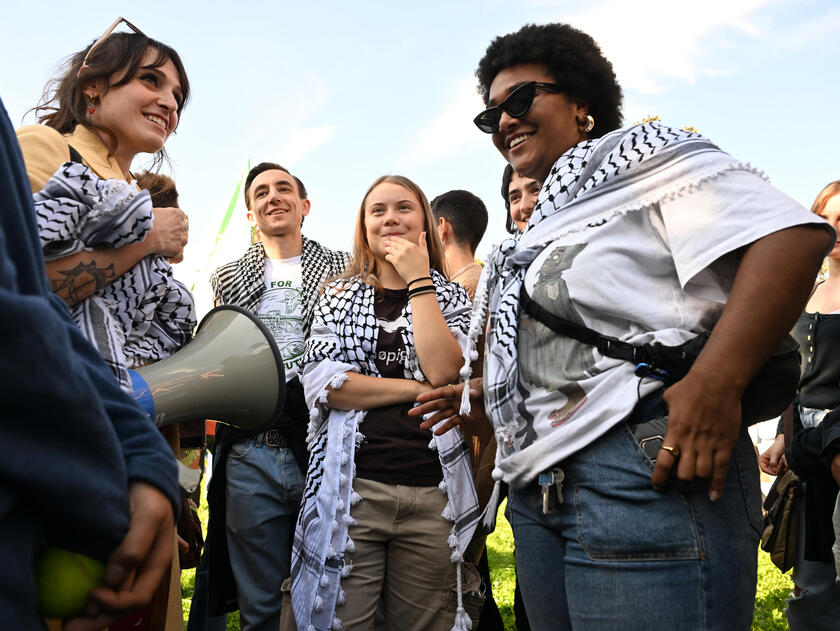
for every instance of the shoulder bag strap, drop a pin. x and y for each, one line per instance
(606, 345)
(787, 423)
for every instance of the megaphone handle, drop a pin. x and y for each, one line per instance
(142, 393)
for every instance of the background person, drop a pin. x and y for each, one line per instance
(816, 604)
(461, 221)
(629, 258)
(384, 332)
(520, 195)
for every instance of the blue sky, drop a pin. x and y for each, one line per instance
(344, 92)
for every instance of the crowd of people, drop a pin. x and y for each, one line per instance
(421, 388)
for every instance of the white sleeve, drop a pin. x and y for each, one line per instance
(722, 215)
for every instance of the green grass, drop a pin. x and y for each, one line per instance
(773, 586)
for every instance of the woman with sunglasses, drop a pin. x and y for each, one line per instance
(385, 512)
(648, 233)
(117, 98)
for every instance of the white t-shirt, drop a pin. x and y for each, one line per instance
(657, 273)
(281, 310)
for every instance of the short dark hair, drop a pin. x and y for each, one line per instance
(270, 166)
(465, 212)
(507, 177)
(574, 60)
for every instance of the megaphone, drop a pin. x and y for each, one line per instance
(231, 372)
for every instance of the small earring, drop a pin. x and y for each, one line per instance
(590, 123)
(92, 105)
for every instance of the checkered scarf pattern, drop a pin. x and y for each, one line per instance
(343, 338)
(144, 315)
(242, 282)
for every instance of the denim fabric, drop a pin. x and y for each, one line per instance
(264, 487)
(811, 417)
(617, 555)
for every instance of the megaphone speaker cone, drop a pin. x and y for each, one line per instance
(231, 372)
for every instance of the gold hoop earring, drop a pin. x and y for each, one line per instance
(590, 123)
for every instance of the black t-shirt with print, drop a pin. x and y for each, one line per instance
(396, 450)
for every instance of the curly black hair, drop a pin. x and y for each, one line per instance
(571, 56)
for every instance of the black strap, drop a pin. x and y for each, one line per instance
(787, 424)
(606, 345)
(75, 156)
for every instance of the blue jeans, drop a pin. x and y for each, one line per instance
(263, 493)
(617, 555)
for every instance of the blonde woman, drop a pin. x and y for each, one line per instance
(390, 329)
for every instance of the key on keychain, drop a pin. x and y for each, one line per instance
(559, 476)
(548, 479)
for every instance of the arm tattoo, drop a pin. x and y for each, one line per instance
(82, 277)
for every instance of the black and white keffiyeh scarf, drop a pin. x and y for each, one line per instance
(343, 339)
(242, 282)
(623, 171)
(144, 315)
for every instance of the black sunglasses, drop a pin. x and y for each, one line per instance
(516, 104)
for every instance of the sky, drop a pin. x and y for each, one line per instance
(342, 93)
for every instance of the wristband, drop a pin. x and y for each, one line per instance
(411, 282)
(419, 291)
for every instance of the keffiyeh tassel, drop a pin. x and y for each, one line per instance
(462, 619)
(477, 323)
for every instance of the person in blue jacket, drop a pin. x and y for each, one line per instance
(82, 466)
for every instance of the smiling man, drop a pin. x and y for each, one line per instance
(258, 478)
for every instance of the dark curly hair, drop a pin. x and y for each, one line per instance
(571, 56)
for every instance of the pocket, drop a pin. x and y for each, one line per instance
(240, 448)
(619, 515)
(745, 460)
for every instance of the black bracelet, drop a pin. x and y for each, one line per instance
(411, 282)
(419, 291)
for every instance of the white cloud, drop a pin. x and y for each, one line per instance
(654, 44)
(452, 128)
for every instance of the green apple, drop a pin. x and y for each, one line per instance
(64, 580)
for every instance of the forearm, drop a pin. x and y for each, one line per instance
(437, 350)
(765, 301)
(79, 275)
(363, 392)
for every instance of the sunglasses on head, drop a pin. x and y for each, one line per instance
(516, 104)
(105, 36)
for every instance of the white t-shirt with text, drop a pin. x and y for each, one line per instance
(281, 310)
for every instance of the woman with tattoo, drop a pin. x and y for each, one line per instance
(103, 240)
(117, 98)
